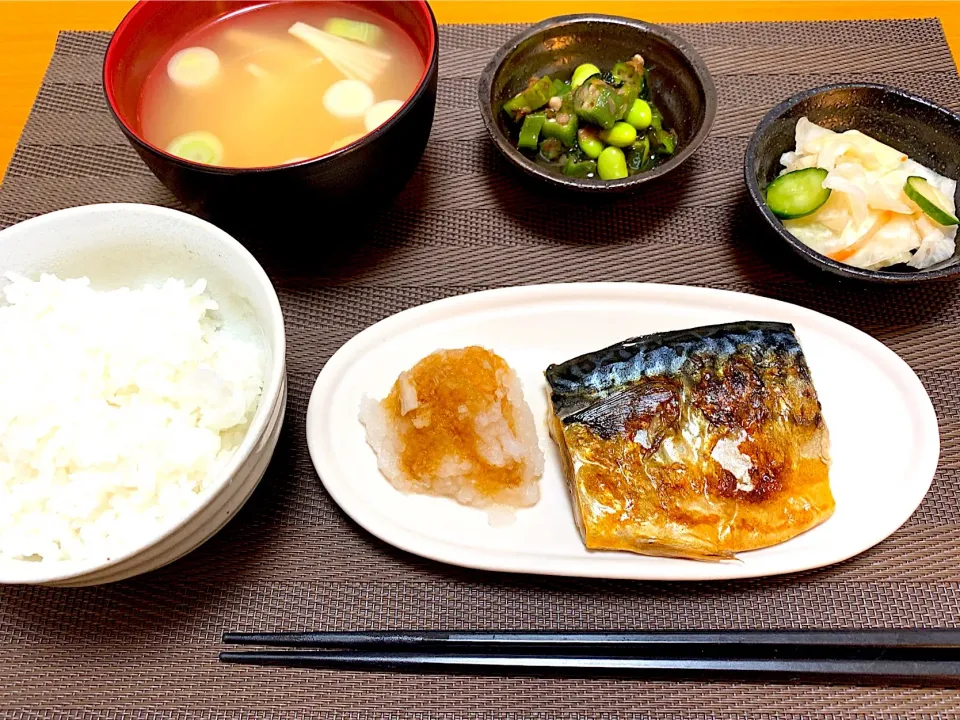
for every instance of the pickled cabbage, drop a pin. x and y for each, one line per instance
(868, 222)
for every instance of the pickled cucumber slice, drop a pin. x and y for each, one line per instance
(798, 193)
(930, 200)
(200, 147)
(193, 67)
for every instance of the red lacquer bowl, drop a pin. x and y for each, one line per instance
(370, 170)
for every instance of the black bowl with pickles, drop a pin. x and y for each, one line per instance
(597, 103)
(923, 131)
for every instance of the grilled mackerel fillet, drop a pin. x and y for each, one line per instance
(696, 443)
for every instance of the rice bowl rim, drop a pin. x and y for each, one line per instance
(59, 571)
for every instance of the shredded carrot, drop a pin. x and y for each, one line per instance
(852, 249)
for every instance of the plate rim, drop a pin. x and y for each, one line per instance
(599, 564)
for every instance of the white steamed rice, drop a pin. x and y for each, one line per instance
(118, 409)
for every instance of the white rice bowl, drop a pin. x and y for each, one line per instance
(111, 529)
(120, 408)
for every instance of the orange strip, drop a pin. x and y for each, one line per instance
(850, 250)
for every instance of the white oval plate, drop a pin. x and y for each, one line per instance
(884, 437)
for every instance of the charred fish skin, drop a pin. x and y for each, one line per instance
(578, 383)
(694, 443)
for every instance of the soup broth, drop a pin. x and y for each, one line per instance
(278, 83)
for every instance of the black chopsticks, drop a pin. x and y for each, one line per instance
(913, 655)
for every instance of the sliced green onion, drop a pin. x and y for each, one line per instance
(367, 33)
(200, 147)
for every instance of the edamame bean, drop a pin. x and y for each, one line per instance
(640, 116)
(580, 75)
(620, 135)
(589, 143)
(612, 165)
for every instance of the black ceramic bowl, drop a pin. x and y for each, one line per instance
(368, 171)
(680, 84)
(926, 132)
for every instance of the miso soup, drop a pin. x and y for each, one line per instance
(278, 83)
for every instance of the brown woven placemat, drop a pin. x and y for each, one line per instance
(292, 560)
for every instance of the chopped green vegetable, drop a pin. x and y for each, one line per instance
(629, 72)
(561, 88)
(551, 149)
(539, 94)
(589, 142)
(576, 165)
(514, 107)
(367, 33)
(620, 135)
(598, 103)
(798, 193)
(665, 141)
(530, 131)
(582, 74)
(612, 165)
(563, 127)
(929, 199)
(533, 98)
(600, 123)
(640, 115)
(628, 92)
(638, 155)
(656, 118)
